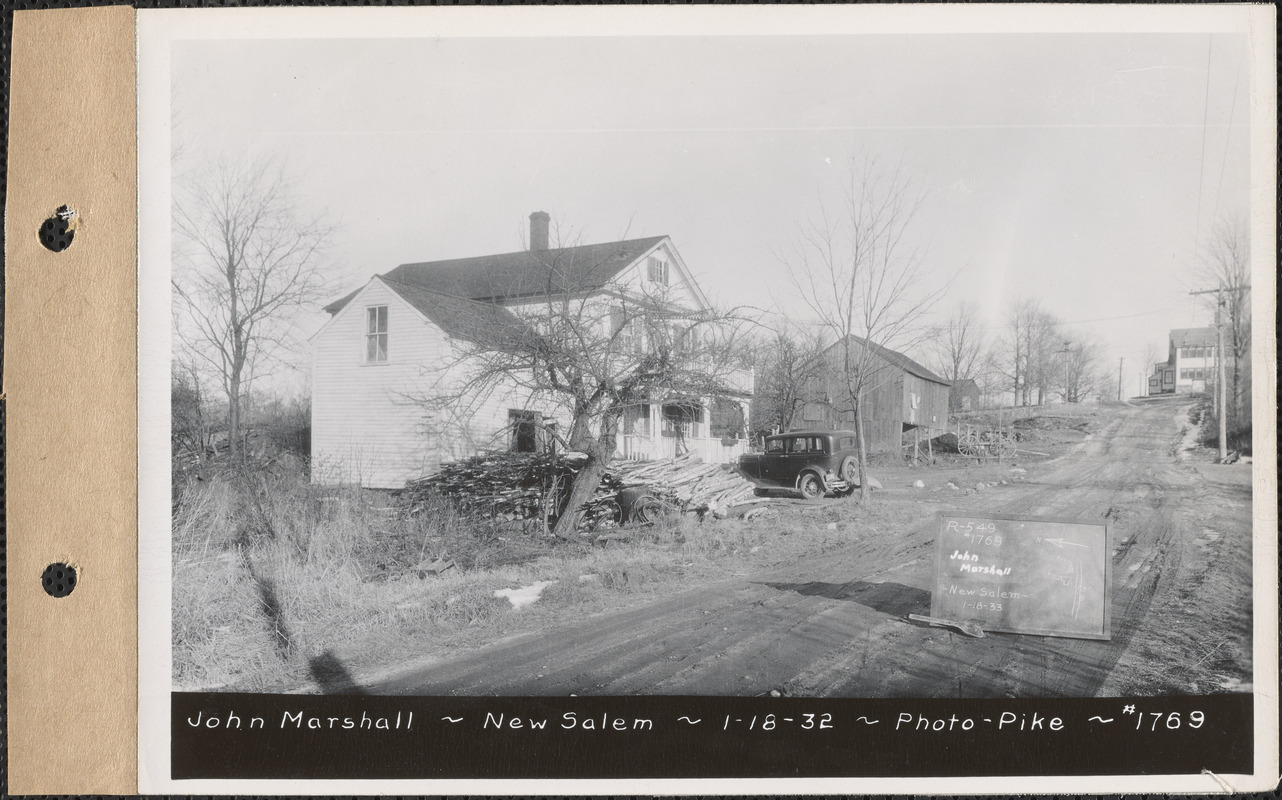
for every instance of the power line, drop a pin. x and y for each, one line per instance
(1228, 137)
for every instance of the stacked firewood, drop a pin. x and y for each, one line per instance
(687, 482)
(508, 485)
(516, 486)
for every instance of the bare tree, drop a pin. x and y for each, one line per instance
(785, 364)
(189, 426)
(1228, 266)
(862, 276)
(246, 258)
(1029, 351)
(1013, 361)
(1079, 368)
(958, 345)
(585, 350)
(1045, 347)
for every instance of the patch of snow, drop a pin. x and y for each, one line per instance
(525, 596)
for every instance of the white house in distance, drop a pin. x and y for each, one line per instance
(373, 357)
(1191, 364)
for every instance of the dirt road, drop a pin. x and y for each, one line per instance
(836, 625)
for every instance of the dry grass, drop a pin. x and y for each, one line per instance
(272, 574)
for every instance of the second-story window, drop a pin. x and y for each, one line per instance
(626, 330)
(657, 270)
(376, 334)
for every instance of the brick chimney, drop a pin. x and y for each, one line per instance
(539, 230)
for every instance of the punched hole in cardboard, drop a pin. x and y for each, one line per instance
(57, 232)
(59, 579)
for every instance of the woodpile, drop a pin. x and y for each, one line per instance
(511, 486)
(687, 482)
(517, 486)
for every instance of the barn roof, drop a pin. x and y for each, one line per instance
(899, 360)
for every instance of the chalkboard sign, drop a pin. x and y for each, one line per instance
(1049, 577)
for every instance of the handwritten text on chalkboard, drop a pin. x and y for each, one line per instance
(1041, 576)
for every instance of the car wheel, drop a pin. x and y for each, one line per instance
(850, 470)
(810, 486)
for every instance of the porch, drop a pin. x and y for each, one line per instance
(712, 431)
(709, 450)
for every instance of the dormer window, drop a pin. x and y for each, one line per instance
(657, 270)
(376, 334)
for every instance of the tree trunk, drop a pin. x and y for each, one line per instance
(599, 452)
(1237, 386)
(864, 491)
(585, 485)
(233, 417)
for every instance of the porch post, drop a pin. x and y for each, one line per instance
(656, 429)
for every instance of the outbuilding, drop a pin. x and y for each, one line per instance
(900, 396)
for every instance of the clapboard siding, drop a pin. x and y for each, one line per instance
(367, 427)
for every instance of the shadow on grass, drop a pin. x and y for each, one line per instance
(891, 598)
(331, 675)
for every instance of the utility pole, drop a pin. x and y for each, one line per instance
(1120, 361)
(1222, 393)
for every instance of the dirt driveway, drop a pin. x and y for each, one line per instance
(836, 625)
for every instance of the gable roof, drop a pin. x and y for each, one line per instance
(965, 386)
(526, 273)
(896, 359)
(459, 317)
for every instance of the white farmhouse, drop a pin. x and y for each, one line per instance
(1193, 357)
(396, 341)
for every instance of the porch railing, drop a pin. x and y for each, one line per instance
(709, 450)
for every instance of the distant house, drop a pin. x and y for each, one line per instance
(900, 396)
(1190, 364)
(963, 395)
(1162, 379)
(370, 424)
(1192, 355)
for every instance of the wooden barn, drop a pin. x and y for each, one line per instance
(900, 396)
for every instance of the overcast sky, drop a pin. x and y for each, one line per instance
(1083, 170)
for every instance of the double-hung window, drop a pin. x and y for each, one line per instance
(376, 334)
(657, 270)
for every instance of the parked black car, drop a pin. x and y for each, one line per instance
(812, 462)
